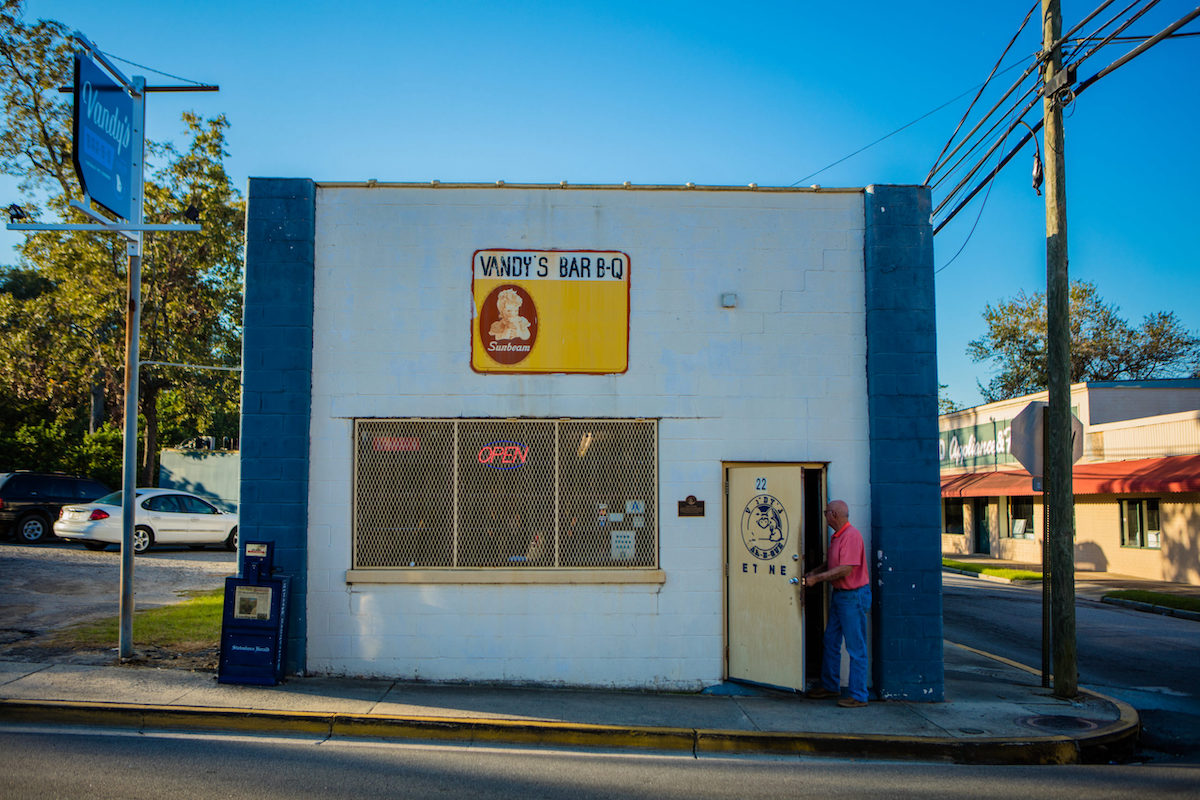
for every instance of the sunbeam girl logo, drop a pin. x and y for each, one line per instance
(508, 324)
(764, 527)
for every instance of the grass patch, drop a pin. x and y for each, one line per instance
(1177, 601)
(193, 624)
(999, 572)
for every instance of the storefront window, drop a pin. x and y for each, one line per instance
(1140, 525)
(1020, 520)
(505, 494)
(952, 516)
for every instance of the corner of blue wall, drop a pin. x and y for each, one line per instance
(907, 660)
(277, 383)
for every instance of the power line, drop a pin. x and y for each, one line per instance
(1032, 67)
(898, 130)
(985, 137)
(982, 86)
(1161, 36)
(152, 69)
(1169, 32)
(1107, 39)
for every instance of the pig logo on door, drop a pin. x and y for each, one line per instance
(764, 527)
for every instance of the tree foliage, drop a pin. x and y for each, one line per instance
(1104, 346)
(62, 306)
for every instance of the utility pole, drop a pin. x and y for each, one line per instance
(1059, 494)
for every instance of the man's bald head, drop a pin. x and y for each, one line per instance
(837, 514)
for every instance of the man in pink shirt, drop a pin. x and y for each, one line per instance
(846, 568)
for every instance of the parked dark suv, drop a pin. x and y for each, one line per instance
(30, 501)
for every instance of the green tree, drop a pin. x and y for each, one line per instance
(1104, 346)
(946, 404)
(62, 307)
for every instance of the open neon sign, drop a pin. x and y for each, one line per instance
(503, 455)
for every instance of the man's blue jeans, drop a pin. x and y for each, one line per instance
(848, 612)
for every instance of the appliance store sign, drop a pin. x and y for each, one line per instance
(976, 446)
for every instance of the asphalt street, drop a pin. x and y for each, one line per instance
(116, 764)
(1150, 661)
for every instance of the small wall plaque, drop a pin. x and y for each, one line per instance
(691, 507)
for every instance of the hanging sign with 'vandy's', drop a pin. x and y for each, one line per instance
(550, 311)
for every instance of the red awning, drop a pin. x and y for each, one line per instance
(1169, 475)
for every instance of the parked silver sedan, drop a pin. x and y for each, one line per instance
(164, 516)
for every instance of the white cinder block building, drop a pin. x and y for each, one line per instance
(583, 436)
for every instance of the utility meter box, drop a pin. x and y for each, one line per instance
(253, 631)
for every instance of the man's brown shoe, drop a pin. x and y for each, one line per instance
(850, 702)
(820, 693)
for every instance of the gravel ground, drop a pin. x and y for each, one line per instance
(50, 586)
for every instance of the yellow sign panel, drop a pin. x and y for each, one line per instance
(550, 311)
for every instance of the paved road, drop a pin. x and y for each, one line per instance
(40, 763)
(1150, 661)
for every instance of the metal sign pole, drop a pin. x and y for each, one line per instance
(133, 327)
(133, 229)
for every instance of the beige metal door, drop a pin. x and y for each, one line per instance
(764, 541)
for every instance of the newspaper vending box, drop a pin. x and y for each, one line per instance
(253, 629)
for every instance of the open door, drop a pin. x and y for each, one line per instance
(764, 528)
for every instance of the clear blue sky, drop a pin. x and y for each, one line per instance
(670, 92)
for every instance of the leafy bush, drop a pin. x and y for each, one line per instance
(60, 446)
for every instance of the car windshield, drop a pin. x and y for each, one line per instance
(113, 499)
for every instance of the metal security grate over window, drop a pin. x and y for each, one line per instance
(505, 493)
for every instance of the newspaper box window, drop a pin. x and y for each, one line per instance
(491, 493)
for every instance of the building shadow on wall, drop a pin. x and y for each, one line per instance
(168, 479)
(1089, 555)
(1181, 552)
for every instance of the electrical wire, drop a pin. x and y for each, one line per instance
(979, 94)
(152, 69)
(898, 130)
(1040, 58)
(1166, 33)
(987, 179)
(1079, 89)
(982, 206)
(985, 137)
(1077, 61)
(1137, 38)
(987, 156)
(978, 217)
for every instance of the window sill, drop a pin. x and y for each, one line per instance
(507, 576)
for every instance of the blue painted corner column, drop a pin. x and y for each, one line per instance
(277, 341)
(905, 484)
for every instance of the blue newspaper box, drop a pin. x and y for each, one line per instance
(254, 626)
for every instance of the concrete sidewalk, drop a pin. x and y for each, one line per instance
(995, 712)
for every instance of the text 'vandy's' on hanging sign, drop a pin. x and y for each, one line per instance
(550, 311)
(102, 137)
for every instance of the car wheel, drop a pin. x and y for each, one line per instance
(32, 528)
(143, 539)
(231, 540)
(95, 545)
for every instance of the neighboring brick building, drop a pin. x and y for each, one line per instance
(1137, 485)
(583, 435)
